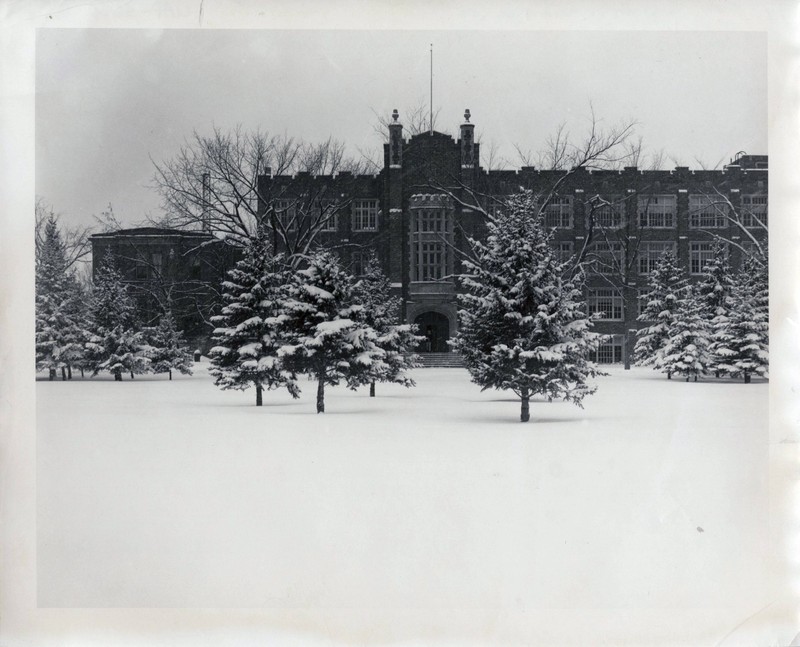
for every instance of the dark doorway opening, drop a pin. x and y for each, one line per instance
(435, 328)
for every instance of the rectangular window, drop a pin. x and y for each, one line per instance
(610, 215)
(358, 263)
(650, 252)
(285, 213)
(141, 272)
(431, 262)
(606, 303)
(558, 213)
(607, 258)
(754, 211)
(431, 238)
(707, 212)
(564, 250)
(328, 217)
(610, 351)
(657, 211)
(699, 255)
(365, 215)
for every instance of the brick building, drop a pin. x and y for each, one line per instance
(431, 195)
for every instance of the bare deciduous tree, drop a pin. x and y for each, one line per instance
(215, 183)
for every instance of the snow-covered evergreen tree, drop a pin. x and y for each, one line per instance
(250, 328)
(686, 350)
(742, 339)
(59, 307)
(382, 313)
(713, 293)
(115, 342)
(169, 350)
(328, 336)
(668, 287)
(523, 322)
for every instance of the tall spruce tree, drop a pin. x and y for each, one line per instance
(523, 322)
(713, 294)
(168, 347)
(742, 339)
(59, 307)
(686, 350)
(115, 343)
(668, 287)
(382, 313)
(250, 329)
(329, 338)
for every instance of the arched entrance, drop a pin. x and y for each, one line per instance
(435, 327)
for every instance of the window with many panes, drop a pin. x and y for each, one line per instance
(650, 252)
(607, 257)
(358, 262)
(564, 250)
(657, 211)
(365, 215)
(558, 212)
(609, 215)
(605, 302)
(609, 351)
(699, 255)
(707, 212)
(285, 213)
(431, 238)
(328, 217)
(754, 210)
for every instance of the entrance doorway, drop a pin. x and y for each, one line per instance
(435, 328)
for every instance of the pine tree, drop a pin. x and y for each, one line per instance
(250, 329)
(59, 306)
(329, 337)
(742, 340)
(668, 287)
(115, 343)
(169, 350)
(382, 312)
(713, 293)
(523, 321)
(686, 350)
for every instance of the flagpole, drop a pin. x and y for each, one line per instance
(431, 88)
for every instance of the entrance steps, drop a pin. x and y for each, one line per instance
(441, 360)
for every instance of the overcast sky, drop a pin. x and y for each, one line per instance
(109, 100)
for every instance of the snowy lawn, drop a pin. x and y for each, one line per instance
(157, 493)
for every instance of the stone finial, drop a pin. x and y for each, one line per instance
(395, 115)
(466, 115)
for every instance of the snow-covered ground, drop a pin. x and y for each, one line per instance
(653, 498)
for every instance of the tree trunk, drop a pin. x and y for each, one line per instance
(131, 374)
(52, 374)
(746, 377)
(372, 390)
(117, 376)
(63, 373)
(321, 393)
(687, 377)
(69, 372)
(695, 378)
(82, 375)
(170, 374)
(669, 375)
(525, 413)
(259, 393)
